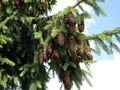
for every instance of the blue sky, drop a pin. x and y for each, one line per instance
(108, 22)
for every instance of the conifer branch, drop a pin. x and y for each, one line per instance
(106, 33)
(77, 3)
(7, 19)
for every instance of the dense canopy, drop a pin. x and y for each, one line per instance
(32, 43)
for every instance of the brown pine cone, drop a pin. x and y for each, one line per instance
(55, 55)
(40, 56)
(72, 43)
(80, 52)
(88, 53)
(89, 56)
(66, 77)
(69, 18)
(50, 48)
(66, 80)
(65, 18)
(78, 41)
(60, 39)
(72, 29)
(81, 26)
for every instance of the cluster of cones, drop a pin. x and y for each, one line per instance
(49, 52)
(70, 21)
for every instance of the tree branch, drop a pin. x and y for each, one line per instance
(77, 3)
(7, 19)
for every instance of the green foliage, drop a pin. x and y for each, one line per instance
(25, 28)
(105, 40)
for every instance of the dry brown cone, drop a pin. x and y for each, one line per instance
(40, 56)
(50, 48)
(78, 41)
(69, 18)
(88, 53)
(81, 26)
(66, 79)
(80, 52)
(71, 41)
(55, 56)
(72, 29)
(60, 39)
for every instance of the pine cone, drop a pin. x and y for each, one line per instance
(66, 19)
(78, 41)
(50, 48)
(80, 52)
(60, 39)
(66, 79)
(81, 26)
(55, 55)
(89, 56)
(41, 57)
(88, 53)
(72, 43)
(72, 29)
(69, 18)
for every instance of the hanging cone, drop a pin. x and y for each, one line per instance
(81, 26)
(60, 39)
(69, 18)
(50, 48)
(55, 56)
(78, 41)
(40, 56)
(80, 52)
(71, 41)
(66, 80)
(88, 53)
(72, 29)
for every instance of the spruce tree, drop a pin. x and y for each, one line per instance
(32, 43)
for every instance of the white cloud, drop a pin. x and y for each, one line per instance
(106, 75)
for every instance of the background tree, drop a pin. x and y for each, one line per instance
(33, 43)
